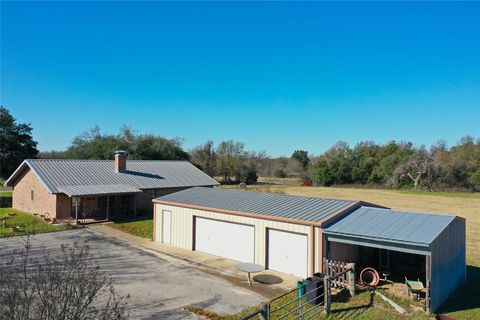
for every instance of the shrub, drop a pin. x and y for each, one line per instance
(280, 173)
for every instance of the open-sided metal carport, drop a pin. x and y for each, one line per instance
(432, 244)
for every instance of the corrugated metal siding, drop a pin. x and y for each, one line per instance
(448, 262)
(142, 174)
(279, 205)
(182, 228)
(343, 252)
(391, 226)
(380, 244)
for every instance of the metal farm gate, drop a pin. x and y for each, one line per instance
(312, 295)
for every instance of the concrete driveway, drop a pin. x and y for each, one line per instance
(159, 285)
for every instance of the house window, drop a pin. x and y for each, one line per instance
(32, 195)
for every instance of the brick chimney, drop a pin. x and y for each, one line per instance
(120, 161)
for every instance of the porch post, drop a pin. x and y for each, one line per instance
(135, 205)
(108, 202)
(76, 211)
(428, 284)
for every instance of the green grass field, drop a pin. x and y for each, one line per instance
(6, 193)
(28, 224)
(141, 228)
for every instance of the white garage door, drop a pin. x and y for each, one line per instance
(225, 239)
(287, 252)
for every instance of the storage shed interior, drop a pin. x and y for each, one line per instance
(427, 247)
(391, 265)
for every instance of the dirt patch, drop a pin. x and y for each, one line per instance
(396, 289)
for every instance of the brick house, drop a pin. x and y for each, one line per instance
(99, 189)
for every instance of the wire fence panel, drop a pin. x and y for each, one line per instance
(312, 295)
(300, 303)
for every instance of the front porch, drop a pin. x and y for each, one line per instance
(90, 204)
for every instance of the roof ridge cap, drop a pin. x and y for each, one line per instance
(412, 212)
(282, 194)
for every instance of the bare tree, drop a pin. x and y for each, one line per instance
(68, 286)
(414, 169)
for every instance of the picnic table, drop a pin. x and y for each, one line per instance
(249, 267)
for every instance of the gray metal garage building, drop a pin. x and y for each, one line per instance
(280, 232)
(293, 235)
(415, 245)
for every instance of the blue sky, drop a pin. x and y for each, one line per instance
(278, 76)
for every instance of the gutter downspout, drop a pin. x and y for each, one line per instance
(76, 211)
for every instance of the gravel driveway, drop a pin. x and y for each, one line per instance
(159, 285)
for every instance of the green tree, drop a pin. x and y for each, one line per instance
(301, 156)
(322, 174)
(461, 165)
(389, 158)
(280, 173)
(92, 144)
(151, 147)
(203, 156)
(365, 159)
(16, 143)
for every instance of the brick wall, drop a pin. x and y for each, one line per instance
(42, 202)
(63, 206)
(59, 205)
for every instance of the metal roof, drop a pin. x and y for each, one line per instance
(391, 226)
(88, 190)
(141, 174)
(272, 204)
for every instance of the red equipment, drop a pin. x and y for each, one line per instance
(370, 277)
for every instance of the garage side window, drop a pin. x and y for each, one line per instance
(32, 195)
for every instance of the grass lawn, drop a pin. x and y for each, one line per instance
(6, 193)
(141, 228)
(27, 222)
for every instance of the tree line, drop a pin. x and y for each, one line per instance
(400, 164)
(394, 164)
(93, 144)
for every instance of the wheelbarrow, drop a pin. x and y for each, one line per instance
(414, 288)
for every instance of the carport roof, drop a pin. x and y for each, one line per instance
(105, 189)
(391, 226)
(295, 208)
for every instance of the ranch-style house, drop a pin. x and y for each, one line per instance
(99, 189)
